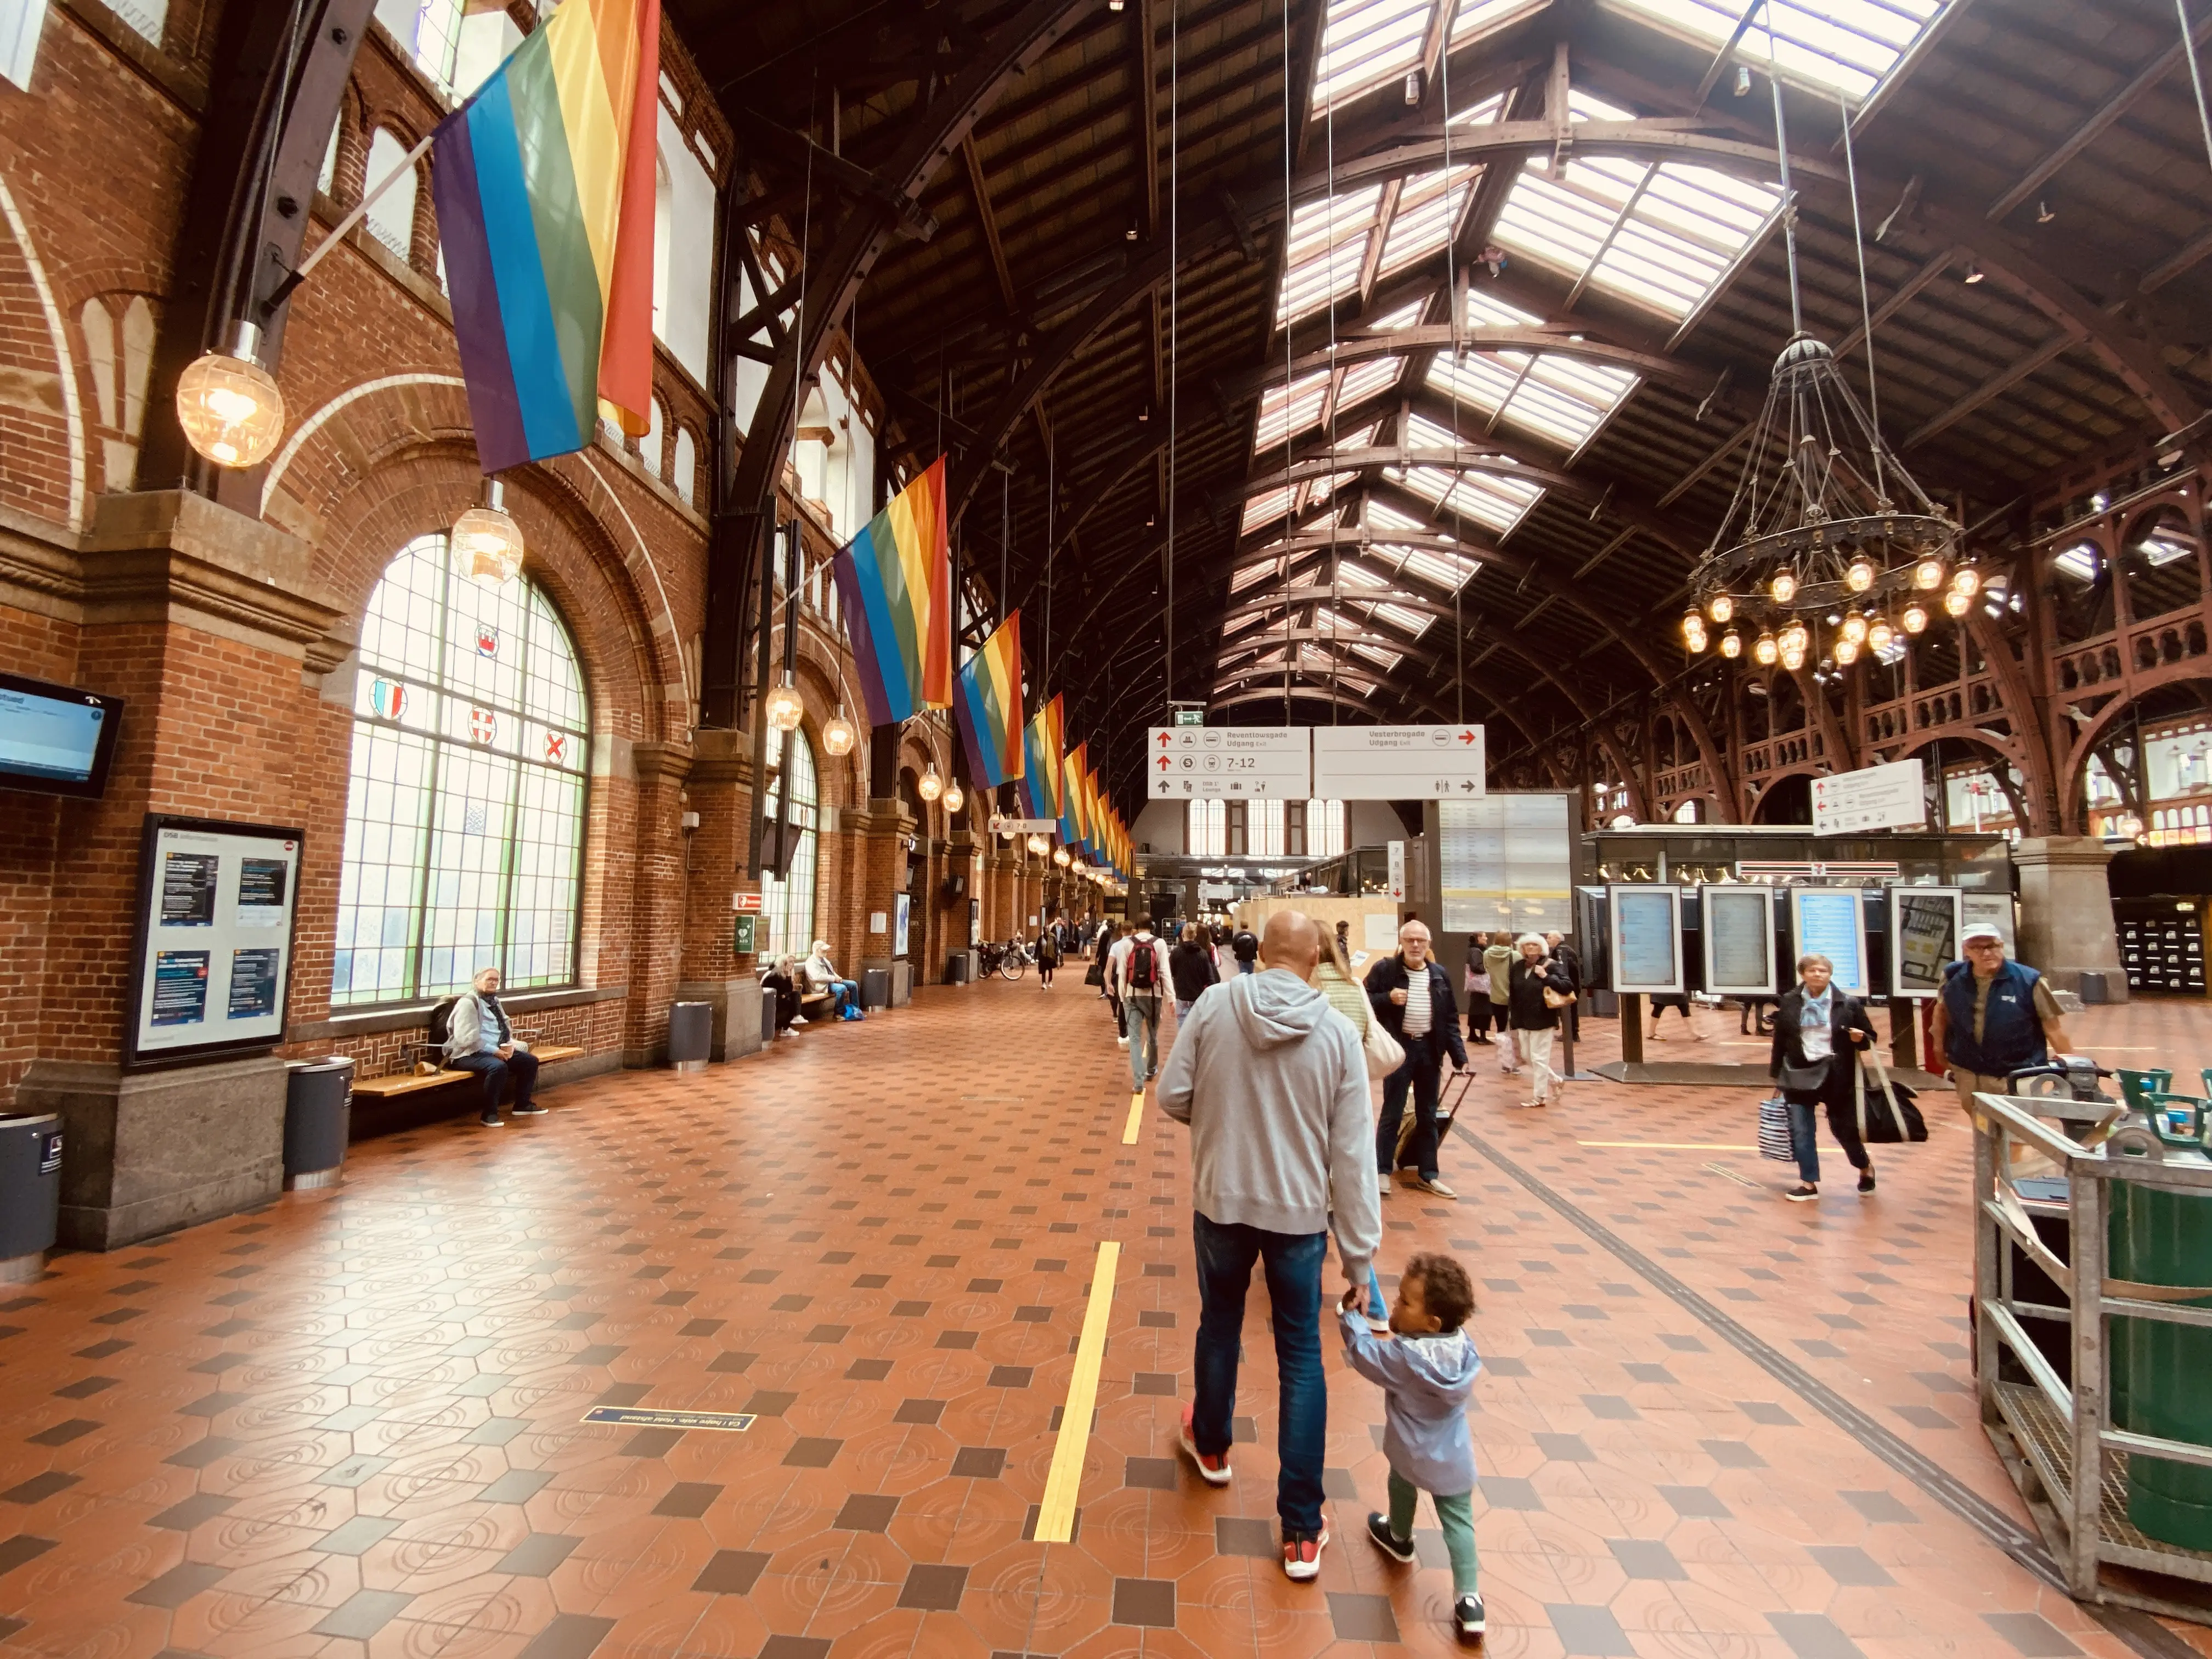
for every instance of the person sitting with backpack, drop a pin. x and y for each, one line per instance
(479, 1038)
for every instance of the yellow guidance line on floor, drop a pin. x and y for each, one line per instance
(1671, 1145)
(1136, 1119)
(1056, 1513)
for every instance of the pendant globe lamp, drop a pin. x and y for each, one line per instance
(228, 405)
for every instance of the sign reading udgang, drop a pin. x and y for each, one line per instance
(1874, 797)
(1397, 762)
(1188, 763)
(211, 952)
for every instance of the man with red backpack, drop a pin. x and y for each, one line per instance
(1137, 974)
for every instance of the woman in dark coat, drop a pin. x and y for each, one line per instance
(1477, 990)
(1535, 1020)
(1820, 1032)
(1047, 954)
(1190, 966)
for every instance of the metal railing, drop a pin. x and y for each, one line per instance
(2055, 1434)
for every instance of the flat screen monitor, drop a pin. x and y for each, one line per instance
(56, 739)
(1647, 937)
(1738, 938)
(1831, 922)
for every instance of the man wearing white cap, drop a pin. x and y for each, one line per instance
(1994, 1017)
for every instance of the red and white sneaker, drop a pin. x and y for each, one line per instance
(1301, 1555)
(1213, 1469)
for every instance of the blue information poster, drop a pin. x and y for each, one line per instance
(180, 985)
(1647, 956)
(1830, 921)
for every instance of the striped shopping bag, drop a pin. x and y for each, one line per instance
(1774, 1131)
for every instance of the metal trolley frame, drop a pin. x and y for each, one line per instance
(2044, 1431)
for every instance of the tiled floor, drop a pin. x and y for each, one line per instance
(350, 1424)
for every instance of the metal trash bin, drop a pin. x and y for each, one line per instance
(691, 1035)
(317, 1119)
(768, 1017)
(30, 1193)
(956, 968)
(875, 988)
(2161, 1237)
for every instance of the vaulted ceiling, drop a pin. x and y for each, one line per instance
(1388, 359)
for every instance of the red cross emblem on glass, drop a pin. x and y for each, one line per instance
(484, 725)
(556, 747)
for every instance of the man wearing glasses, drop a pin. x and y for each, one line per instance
(1994, 1017)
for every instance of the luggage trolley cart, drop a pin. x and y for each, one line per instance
(2092, 1222)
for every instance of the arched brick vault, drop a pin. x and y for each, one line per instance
(2072, 805)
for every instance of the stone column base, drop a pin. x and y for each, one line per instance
(146, 1152)
(736, 1003)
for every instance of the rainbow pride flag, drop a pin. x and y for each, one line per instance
(545, 185)
(1073, 818)
(990, 708)
(895, 579)
(1040, 779)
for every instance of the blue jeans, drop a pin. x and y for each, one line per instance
(1423, 1074)
(494, 1072)
(1293, 1263)
(847, 992)
(1805, 1133)
(1140, 1021)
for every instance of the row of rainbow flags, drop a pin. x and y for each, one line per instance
(895, 580)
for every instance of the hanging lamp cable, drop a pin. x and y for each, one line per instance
(1328, 210)
(2196, 74)
(1451, 304)
(1866, 304)
(1174, 330)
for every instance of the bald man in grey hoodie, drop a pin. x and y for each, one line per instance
(1273, 1081)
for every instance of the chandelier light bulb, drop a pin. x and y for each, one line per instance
(489, 543)
(1697, 641)
(1879, 633)
(1036, 845)
(228, 405)
(1793, 658)
(1859, 576)
(1968, 582)
(1928, 574)
(1915, 618)
(839, 735)
(955, 796)
(1958, 602)
(1692, 625)
(1847, 651)
(1855, 629)
(1797, 637)
(1764, 650)
(1060, 856)
(1731, 644)
(930, 785)
(1783, 587)
(785, 708)
(1722, 608)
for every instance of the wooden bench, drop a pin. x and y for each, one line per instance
(408, 1083)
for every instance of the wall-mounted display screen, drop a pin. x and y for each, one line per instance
(1831, 922)
(56, 739)
(1647, 937)
(1738, 938)
(1924, 932)
(212, 957)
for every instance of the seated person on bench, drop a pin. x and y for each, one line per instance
(779, 982)
(822, 975)
(480, 1038)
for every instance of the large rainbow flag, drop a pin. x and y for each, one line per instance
(1040, 779)
(990, 705)
(545, 187)
(1074, 815)
(895, 579)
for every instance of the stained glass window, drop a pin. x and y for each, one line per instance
(788, 905)
(465, 817)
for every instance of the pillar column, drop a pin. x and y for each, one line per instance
(960, 860)
(880, 831)
(714, 970)
(2066, 912)
(207, 624)
(659, 898)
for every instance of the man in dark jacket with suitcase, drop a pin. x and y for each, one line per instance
(1413, 999)
(1820, 1032)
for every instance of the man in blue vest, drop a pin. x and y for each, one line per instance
(1994, 1017)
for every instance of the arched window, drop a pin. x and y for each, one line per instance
(391, 216)
(648, 446)
(687, 463)
(465, 816)
(788, 905)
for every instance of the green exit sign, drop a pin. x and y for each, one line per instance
(1190, 717)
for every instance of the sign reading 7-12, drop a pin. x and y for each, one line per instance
(1398, 762)
(1189, 762)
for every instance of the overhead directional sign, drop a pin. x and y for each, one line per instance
(1238, 762)
(1873, 798)
(1397, 762)
(1024, 826)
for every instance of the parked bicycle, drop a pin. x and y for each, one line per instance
(1010, 960)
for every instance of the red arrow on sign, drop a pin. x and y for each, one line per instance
(1164, 740)
(1466, 737)
(1165, 763)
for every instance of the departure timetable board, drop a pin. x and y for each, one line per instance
(1505, 861)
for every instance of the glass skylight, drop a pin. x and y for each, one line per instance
(1327, 238)
(1497, 503)
(1846, 45)
(1428, 207)
(1369, 42)
(1658, 236)
(1561, 397)
(1283, 411)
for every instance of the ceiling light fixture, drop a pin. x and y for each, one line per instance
(930, 785)
(1742, 79)
(228, 405)
(1973, 273)
(2044, 216)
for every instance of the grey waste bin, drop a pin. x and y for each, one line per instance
(317, 1119)
(875, 988)
(768, 1017)
(956, 968)
(30, 1193)
(691, 1035)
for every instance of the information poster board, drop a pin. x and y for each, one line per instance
(1831, 922)
(1505, 862)
(901, 910)
(1923, 931)
(211, 955)
(1647, 937)
(1738, 939)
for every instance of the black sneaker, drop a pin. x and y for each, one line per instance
(1866, 1179)
(1399, 1550)
(1468, 1615)
(490, 1122)
(1802, 1194)
(530, 1111)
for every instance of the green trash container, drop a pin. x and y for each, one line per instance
(2161, 1237)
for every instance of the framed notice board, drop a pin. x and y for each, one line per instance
(1647, 937)
(1738, 938)
(1923, 939)
(211, 947)
(1831, 922)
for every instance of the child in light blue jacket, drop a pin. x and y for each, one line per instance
(1426, 1368)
